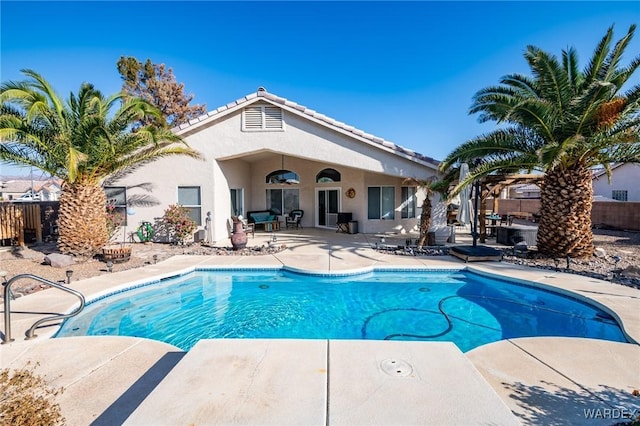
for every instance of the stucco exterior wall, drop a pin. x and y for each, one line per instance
(625, 177)
(300, 138)
(152, 188)
(242, 159)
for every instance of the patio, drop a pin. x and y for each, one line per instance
(541, 380)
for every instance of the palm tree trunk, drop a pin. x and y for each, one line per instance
(425, 221)
(565, 222)
(82, 221)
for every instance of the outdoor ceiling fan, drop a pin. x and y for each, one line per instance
(282, 178)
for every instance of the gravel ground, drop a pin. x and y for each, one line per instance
(618, 262)
(617, 258)
(31, 260)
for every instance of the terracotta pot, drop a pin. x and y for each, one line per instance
(239, 237)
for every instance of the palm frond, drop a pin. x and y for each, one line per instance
(570, 65)
(494, 103)
(85, 138)
(551, 78)
(612, 62)
(514, 146)
(593, 70)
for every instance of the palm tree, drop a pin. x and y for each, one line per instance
(429, 186)
(562, 122)
(82, 141)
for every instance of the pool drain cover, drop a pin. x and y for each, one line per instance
(396, 367)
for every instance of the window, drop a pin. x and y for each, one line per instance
(189, 197)
(282, 201)
(619, 194)
(237, 202)
(381, 202)
(328, 175)
(262, 118)
(117, 196)
(283, 176)
(408, 200)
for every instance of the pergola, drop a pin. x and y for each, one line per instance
(492, 185)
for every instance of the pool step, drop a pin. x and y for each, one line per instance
(313, 382)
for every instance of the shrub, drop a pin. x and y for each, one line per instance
(177, 218)
(26, 399)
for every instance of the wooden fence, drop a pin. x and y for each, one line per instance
(18, 219)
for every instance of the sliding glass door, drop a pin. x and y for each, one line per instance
(327, 207)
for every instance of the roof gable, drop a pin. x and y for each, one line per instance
(302, 111)
(599, 172)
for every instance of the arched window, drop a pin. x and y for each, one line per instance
(283, 176)
(328, 175)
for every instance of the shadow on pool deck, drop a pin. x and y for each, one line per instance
(127, 403)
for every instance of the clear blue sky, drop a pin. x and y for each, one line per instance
(403, 71)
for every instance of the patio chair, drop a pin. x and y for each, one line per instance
(294, 218)
(248, 228)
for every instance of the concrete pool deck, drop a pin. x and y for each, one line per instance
(113, 380)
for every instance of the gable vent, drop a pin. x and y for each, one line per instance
(272, 118)
(256, 118)
(253, 118)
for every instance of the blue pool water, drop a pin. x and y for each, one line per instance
(458, 306)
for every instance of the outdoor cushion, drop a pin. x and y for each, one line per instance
(261, 217)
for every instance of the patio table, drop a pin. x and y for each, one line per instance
(491, 225)
(274, 225)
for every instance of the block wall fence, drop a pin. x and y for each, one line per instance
(615, 214)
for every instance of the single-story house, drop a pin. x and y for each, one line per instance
(44, 190)
(266, 153)
(524, 191)
(623, 185)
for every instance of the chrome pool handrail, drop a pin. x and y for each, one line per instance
(7, 306)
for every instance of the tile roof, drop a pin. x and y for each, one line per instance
(24, 185)
(600, 171)
(303, 110)
(527, 188)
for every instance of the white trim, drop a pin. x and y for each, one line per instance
(199, 222)
(315, 204)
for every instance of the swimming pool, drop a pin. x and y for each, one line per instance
(458, 306)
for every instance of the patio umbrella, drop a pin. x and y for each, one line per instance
(464, 211)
